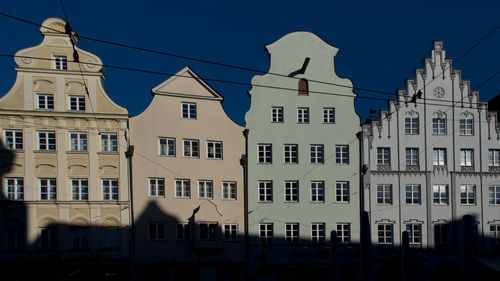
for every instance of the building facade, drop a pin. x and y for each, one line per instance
(188, 184)
(303, 170)
(432, 157)
(64, 180)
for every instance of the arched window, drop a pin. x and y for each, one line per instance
(439, 123)
(303, 87)
(15, 234)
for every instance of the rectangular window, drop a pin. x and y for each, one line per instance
(317, 153)
(468, 194)
(182, 188)
(214, 150)
(166, 147)
(264, 153)
(466, 157)
(47, 141)
(291, 191)
(77, 103)
(189, 110)
(208, 230)
(291, 153)
(229, 190)
(384, 234)
(342, 191)
(110, 189)
(277, 114)
(412, 156)
(80, 237)
(156, 187)
(466, 127)
(78, 141)
(205, 189)
(342, 154)
(13, 139)
(415, 234)
(318, 232)
(439, 157)
(60, 62)
(440, 194)
(48, 238)
(109, 142)
(45, 101)
(441, 232)
(265, 191)
(384, 194)
(291, 233)
(266, 233)
(383, 156)
(494, 157)
(79, 189)
(230, 232)
(494, 195)
(413, 194)
(411, 126)
(111, 238)
(156, 231)
(15, 188)
(191, 148)
(495, 235)
(15, 236)
(318, 191)
(438, 126)
(328, 115)
(48, 190)
(303, 115)
(183, 231)
(343, 233)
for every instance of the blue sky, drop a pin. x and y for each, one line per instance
(380, 42)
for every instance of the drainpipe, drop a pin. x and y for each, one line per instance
(244, 163)
(131, 235)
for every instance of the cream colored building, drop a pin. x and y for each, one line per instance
(188, 189)
(68, 171)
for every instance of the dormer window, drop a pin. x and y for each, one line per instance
(303, 87)
(60, 62)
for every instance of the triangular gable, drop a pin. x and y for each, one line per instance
(186, 83)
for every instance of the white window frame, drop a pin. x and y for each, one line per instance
(49, 137)
(467, 157)
(441, 234)
(292, 232)
(77, 100)
(266, 233)
(439, 126)
(60, 62)
(156, 187)
(277, 115)
(13, 139)
(317, 153)
(412, 125)
(110, 189)
(342, 191)
(191, 148)
(495, 235)
(184, 231)
(291, 153)
(264, 153)
(440, 194)
(189, 110)
(205, 189)
(291, 191)
(328, 115)
(384, 194)
(48, 237)
(383, 156)
(230, 232)
(303, 115)
(214, 150)
(439, 157)
(318, 191)
(342, 154)
(159, 232)
(79, 189)
(229, 190)
(466, 126)
(50, 186)
(182, 188)
(78, 141)
(14, 188)
(385, 234)
(412, 154)
(45, 101)
(212, 231)
(414, 234)
(468, 194)
(494, 158)
(109, 142)
(166, 146)
(494, 195)
(318, 232)
(265, 191)
(413, 195)
(343, 233)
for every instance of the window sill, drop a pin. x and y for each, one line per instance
(265, 202)
(107, 153)
(229, 199)
(182, 197)
(277, 122)
(317, 202)
(264, 163)
(205, 198)
(191, 157)
(77, 152)
(208, 158)
(44, 151)
(153, 196)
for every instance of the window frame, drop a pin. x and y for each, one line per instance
(343, 230)
(48, 237)
(190, 112)
(277, 114)
(60, 62)
(466, 126)
(292, 155)
(303, 116)
(16, 142)
(466, 157)
(265, 189)
(193, 150)
(439, 156)
(113, 190)
(266, 233)
(112, 145)
(318, 191)
(229, 190)
(183, 231)
(437, 189)
(412, 125)
(46, 103)
(342, 154)
(412, 156)
(387, 237)
(82, 191)
(205, 189)
(77, 103)
(81, 141)
(318, 232)
(384, 156)
(217, 145)
(160, 231)
(156, 187)
(494, 195)
(264, 153)
(46, 136)
(328, 115)
(14, 188)
(439, 126)
(342, 192)
(292, 232)
(291, 191)
(212, 231)
(182, 188)
(167, 148)
(415, 241)
(468, 194)
(412, 199)
(384, 194)
(317, 153)
(51, 192)
(493, 157)
(232, 230)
